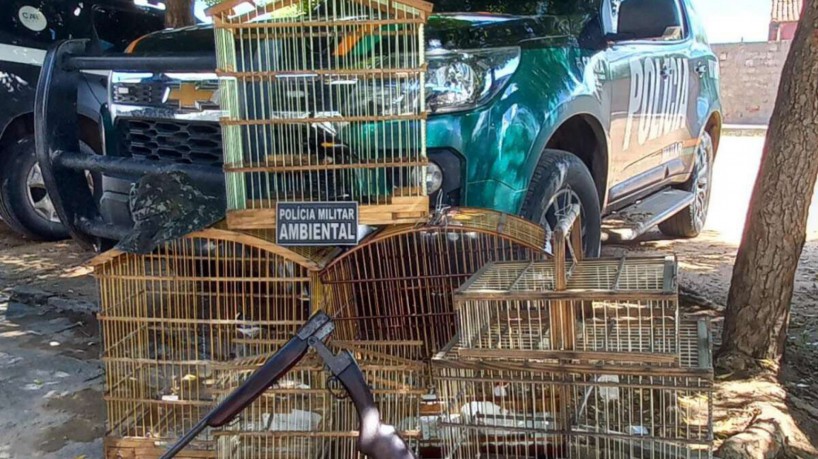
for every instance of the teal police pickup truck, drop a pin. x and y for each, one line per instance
(534, 105)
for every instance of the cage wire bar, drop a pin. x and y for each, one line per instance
(394, 290)
(305, 416)
(325, 102)
(575, 358)
(168, 317)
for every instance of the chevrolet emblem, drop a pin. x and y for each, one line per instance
(188, 95)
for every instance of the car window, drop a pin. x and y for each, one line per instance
(650, 20)
(38, 23)
(519, 7)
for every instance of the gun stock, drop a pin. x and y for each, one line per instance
(376, 440)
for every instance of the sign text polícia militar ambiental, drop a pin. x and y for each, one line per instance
(316, 223)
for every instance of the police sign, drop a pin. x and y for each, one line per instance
(316, 223)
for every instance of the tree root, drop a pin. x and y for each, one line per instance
(689, 296)
(742, 365)
(762, 439)
(756, 416)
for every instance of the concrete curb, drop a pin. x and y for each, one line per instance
(744, 130)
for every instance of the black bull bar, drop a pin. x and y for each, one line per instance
(56, 126)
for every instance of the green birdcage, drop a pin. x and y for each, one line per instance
(324, 102)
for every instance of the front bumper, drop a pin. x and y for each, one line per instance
(115, 209)
(62, 161)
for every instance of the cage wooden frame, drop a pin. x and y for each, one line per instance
(395, 289)
(358, 130)
(167, 317)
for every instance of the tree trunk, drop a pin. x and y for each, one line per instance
(178, 13)
(758, 305)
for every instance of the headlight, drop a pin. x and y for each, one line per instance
(434, 178)
(466, 79)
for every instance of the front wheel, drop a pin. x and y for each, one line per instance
(689, 223)
(559, 181)
(24, 203)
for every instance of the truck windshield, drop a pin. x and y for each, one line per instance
(117, 26)
(517, 7)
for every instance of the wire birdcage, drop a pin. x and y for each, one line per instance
(307, 416)
(395, 289)
(527, 408)
(626, 308)
(169, 316)
(325, 103)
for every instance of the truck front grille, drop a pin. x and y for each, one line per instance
(185, 142)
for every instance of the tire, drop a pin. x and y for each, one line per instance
(689, 223)
(559, 177)
(23, 208)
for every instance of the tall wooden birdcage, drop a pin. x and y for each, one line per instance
(168, 317)
(325, 102)
(395, 289)
(575, 358)
(306, 415)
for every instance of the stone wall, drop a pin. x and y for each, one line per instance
(750, 73)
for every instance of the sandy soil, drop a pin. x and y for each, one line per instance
(50, 393)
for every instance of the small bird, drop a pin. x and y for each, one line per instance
(248, 331)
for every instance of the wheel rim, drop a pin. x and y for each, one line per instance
(701, 185)
(38, 196)
(558, 208)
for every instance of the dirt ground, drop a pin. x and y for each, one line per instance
(51, 379)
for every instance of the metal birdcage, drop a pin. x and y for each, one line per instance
(575, 358)
(169, 316)
(306, 416)
(325, 103)
(395, 289)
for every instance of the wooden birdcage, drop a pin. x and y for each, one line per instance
(395, 289)
(546, 407)
(626, 306)
(307, 415)
(575, 358)
(168, 317)
(325, 102)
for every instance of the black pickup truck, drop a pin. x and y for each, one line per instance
(27, 29)
(534, 106)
